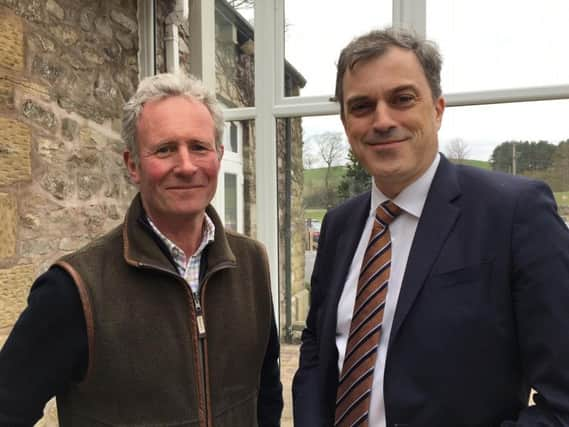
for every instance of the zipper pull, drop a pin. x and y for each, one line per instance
(199, 315)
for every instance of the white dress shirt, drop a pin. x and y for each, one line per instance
(411, 200)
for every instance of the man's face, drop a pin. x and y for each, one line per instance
(390, 118)
(178, 162)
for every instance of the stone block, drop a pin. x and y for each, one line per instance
(300, 305)
(55, 9)
(8, 225)
(6, 94)
(125, 21)
(15, 285)
(47, 68)
(69, 129)
(15, 146)
(39, 114)
(11, 41)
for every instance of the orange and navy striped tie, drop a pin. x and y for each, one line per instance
(356, 378)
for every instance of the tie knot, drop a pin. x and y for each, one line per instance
(387, 212)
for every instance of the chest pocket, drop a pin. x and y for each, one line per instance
(476, 273)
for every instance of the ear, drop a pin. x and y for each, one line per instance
(440, 104)
(220, 152)
(131, 167)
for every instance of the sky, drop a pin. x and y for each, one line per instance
(486, 45)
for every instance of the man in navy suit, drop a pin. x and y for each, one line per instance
(476, 311)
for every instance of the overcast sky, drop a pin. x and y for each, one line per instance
(486, 44)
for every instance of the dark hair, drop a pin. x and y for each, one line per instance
(376, 43)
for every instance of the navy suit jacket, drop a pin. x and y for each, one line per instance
(482, 316)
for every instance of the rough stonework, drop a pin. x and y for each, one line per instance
(9, 222)
(12, 46)
(66, 68)
(15, 284)
(15, 147)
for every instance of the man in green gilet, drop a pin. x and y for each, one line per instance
(166, 320)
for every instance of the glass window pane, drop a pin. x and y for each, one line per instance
(233, 138)
(230, 201)
(530, 138)
(490, 44)
(316, 31)
(234, 65)
(306, 188)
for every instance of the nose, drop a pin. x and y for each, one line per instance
(185, 164)
(383, 120)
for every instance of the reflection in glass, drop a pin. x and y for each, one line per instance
(233, 135)
(234, 60)
(230, 201)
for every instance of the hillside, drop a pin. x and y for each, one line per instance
(314, 185)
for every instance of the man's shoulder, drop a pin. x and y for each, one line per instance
(479, 180)
(243, 241)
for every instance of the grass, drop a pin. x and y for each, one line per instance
(314, 178)
(562, 198)
(316, 214)
(478, 163)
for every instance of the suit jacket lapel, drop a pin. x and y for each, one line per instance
(437, 219)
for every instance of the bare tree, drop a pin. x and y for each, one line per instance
(457, 150)
(237, 4)
(308, 158)
(331, 149)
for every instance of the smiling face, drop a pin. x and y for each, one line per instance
(178, 161)
(391, 119)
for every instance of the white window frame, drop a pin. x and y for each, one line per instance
(231, 163)
(272, 104)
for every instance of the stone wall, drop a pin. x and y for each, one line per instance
(298, 292)
(66, 67)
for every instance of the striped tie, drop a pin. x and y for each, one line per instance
(354, 387)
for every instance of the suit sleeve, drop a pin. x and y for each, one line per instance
(46, 350)
(540, 292)
(306, 388)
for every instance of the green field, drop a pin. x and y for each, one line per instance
(562, 198)
(314, 182)
(316, 214)
(314, 178)
(478, 163)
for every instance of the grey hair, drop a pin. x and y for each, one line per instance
(162, 86)
(376, 43)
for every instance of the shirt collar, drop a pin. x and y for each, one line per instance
(208, 234)
(412, 198)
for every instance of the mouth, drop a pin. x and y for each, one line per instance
(184, 187)
(388, 143)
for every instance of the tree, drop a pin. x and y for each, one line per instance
(457, 150)
(241, 4)
(523, 157)
(330, 148)
(356, 180)
(559, 171)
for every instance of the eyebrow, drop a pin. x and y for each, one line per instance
(401, 88)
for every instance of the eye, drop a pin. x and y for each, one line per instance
(360, 107)
(165, 150)
(200, 147)
(404, 99)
